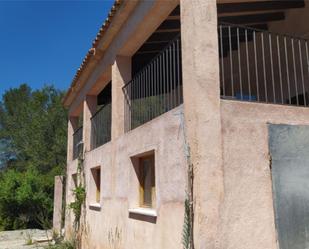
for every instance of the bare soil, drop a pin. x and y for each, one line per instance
(36, 239)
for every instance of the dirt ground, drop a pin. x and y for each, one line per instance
(19, 239)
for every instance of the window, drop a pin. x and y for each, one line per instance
(74, 179)
(96, 175)
(147, 181)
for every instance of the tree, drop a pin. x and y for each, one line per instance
(6, 154)
(33, 125)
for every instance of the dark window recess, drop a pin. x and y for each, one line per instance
(101, 121)
(77, 142)
(156, 89)
(156, 85)
(147, 181)
(101, 126)
(105, 96)
(165, 33)
(96, 175)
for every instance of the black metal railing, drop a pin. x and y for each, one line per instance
(77, 142)
(101, 126)
(257, 65)
(156, 89)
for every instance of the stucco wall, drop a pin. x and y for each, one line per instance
(234, 208)
(201, 94)
(247, 216)
(57, 214)
(246, 212)
(119, 190)
(69, 218)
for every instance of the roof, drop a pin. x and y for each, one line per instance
(91, 52)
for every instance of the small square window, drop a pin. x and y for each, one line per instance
(74, 180)
(96, 175)
(146, 175)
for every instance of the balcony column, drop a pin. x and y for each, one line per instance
(201, 90)
(72, 126)
(90, 107)
(121, 74)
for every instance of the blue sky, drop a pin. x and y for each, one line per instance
(44, 42)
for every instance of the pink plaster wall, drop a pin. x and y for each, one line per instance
(119, 190)
(246, 211)
(69, 218)
(57, 214)
(247, 216)
(229, 143)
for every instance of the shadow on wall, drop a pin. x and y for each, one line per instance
(141, 217)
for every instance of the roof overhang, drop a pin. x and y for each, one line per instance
(117, 16)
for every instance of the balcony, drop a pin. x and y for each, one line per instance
(156, 88)
(77, 142)
(261, 66)
(101, 126)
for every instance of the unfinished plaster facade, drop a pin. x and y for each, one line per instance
(228, 138)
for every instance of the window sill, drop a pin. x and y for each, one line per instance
(95, 206)
(143, 211)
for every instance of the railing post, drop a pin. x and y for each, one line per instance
(201, 92)
(121, 74)
(72, 126)
(90, 105)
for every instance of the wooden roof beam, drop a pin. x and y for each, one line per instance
(259, 6)
(255, 18)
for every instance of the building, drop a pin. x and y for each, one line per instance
(222, 83)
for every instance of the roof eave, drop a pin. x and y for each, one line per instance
(116, 17)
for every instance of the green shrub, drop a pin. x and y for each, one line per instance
(33, 130)
(76, 206)
(24, 199)
(63, 245)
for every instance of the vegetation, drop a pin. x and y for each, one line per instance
(29, 238)
(77, 205)
(79, 198)
(33, 148)
(6, 153)
(188, 225)
(63, 245)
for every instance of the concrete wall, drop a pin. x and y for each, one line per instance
(246, 209)
(58, 198)
(119, 188)
(69, 218)
(201, 91)
(145, 18)
(247, 216)
(109, 225)
(228, 141)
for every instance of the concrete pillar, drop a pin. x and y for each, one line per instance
(121, 74)
(90, 107)
(202, 114)
(58, 197)
(72, 126)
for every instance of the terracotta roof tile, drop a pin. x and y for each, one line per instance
(95, 43)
